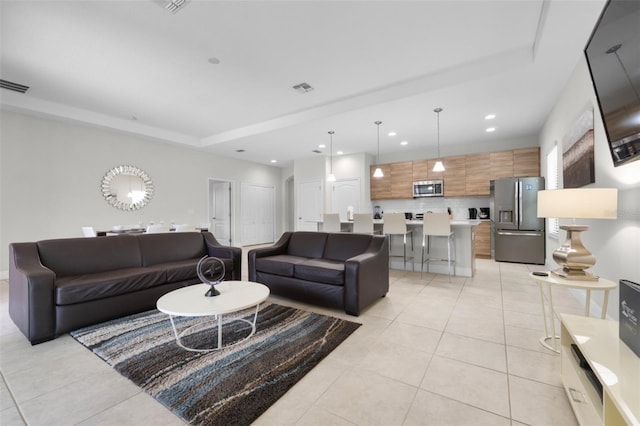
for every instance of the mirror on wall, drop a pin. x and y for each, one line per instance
(127, 187)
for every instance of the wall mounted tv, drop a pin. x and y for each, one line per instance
(613, 56)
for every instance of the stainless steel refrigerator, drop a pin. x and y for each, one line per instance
(518, 233)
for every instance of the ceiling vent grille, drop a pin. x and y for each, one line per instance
(172, 6)
(302, 88)
(15, 87)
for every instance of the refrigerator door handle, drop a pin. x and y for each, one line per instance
(528, 234)
(519, 192)
(516, 206)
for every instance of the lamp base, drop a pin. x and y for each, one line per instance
(573, 257)
(574, 274)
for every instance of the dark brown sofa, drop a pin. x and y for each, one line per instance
(60, 285)
(338, 270)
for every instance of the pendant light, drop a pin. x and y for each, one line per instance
(331, 177)
(378, 172)
(439, 167)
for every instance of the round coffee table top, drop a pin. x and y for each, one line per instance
(191, 301)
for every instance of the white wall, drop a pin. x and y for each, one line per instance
(614, 243)
(51, 173)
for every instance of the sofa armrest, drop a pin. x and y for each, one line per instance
(367, 276)
(31, 293)
(280, 247)
(215, 249)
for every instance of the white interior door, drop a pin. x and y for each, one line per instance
(258, 213)
(345, 193)
(309, 205)
(220, 210)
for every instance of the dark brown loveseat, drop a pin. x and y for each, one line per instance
(338, 270)
(60, 285)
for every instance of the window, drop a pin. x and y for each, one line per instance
(552, 183)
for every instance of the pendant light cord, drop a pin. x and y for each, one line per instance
(378, 123)
(331, 132)
(438, 111)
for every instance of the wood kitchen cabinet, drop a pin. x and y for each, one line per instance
(478, 168)
(526, 162)
(402, 180)
(464, 175)
(454, 176)
(423, 170)
(380, 187)
(483, 240)
(501, 164)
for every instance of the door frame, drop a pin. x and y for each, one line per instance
(232, 205)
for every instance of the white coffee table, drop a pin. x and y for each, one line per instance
(191, 302)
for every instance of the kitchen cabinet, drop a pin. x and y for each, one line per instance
(402, 180)
(483, 240)
(526, 162)
(464, 175)
(478, 168)
(380, 187)
(501, 164)
(454, 176)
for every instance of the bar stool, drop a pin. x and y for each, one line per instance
(437, 225)
(331, 222)
(396, 224)
(363, 223)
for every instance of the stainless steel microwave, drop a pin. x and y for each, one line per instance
(428, 188)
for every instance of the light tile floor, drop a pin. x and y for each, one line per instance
(430, 352)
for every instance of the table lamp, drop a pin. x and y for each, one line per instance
(578, 203)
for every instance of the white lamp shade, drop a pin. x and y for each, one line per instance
(579, 203)
(331, 177)
(378, 173)
(438, 167)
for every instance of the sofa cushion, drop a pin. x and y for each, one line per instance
(344, 246)
(171, 247)
(77, 256)
(307, 244)
(82, 288)
(181, 271)
(321, 270)
(186, 269)
(278, 265)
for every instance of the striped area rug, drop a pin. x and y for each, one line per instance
(232, 386)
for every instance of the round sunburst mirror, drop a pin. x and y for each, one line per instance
(127, 187)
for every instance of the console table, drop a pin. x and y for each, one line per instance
(600, 373)
(548, 313)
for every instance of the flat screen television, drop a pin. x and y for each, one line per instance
(613, 56)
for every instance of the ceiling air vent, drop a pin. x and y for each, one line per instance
(172, 6)
(10, 85)
(315, 151)
(302, 88)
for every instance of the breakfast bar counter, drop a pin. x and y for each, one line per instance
(464, 233)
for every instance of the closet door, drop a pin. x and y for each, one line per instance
(258, 212)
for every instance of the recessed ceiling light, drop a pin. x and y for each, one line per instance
(489, 117)
(391, 133)
(339, 152)
(322, 145)
(403, 143)
(214, 61)
(274, 161)
(490, 129)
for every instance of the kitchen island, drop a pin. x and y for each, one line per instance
(464, 233)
